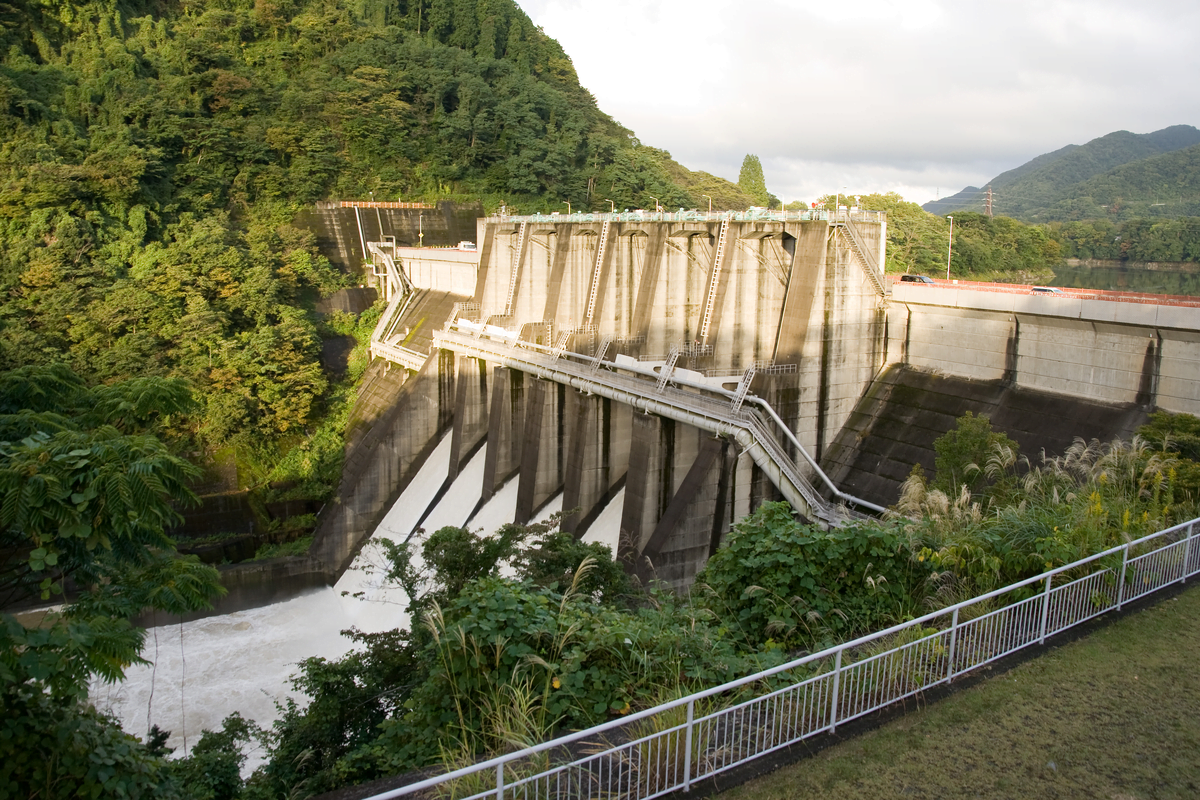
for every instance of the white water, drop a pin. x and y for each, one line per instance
(606, 528)
(243, 661)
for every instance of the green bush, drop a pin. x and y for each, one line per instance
(777, 580)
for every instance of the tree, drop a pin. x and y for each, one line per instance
(752, 182)
(963, 453)
(86, 493)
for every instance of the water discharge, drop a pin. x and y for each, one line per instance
(243, 661)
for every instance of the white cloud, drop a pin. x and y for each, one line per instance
(905, 95)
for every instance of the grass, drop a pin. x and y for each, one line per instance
(1113, 715)
(297, 547)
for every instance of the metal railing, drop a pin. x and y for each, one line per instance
(750, 215)
(866, 259)
(672, 746)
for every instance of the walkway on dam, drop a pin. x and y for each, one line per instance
(650, 393)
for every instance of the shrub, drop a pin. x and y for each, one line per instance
(778, 580)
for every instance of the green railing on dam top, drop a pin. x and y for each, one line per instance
(674, 745)
(750, 215)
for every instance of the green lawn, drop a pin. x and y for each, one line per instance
(1114, 715)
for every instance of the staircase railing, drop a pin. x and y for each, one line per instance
(710, 296)
(516, 270)
(866, 258)
(594, 289)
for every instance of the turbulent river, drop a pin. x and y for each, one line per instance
(203, 671)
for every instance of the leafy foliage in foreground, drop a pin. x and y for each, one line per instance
(799, 585)
(493, 662)
(86, 489)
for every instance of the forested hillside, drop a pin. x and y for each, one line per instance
(155, 154)
(985, 248)
(1121, 174)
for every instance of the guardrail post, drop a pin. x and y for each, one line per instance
(953, 644)
(687, 744)
(500, 781)
(1121, 583)
(1187, 553)
(837, 676)
(1045, 612)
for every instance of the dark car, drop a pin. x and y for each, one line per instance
(915, 279)
(1045, 290)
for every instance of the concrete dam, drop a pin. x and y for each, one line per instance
(706, 363)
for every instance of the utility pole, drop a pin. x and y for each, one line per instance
(949, 247)
(989, 201)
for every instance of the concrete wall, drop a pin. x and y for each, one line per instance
(440, 269)
(1097, 350)
(788, 293)
(394, 427)
(342, 231)
(896, 423)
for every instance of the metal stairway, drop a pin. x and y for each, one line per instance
(713, 280)
(866, 259)
(749, 428)
(516, 266)
(595, 287)
(667, 369)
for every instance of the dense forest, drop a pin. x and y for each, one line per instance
(154, 156)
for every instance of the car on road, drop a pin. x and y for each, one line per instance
(916, 279)
(1045, 290)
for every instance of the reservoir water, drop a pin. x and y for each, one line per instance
(202, 671)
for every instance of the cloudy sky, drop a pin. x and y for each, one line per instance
(922, 97)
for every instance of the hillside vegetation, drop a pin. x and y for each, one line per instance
(984, 248)
(1117, 176)
(154, 156)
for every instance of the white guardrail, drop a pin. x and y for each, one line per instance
(672, 746)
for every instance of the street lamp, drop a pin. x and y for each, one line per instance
(709, 203)
(950, 247)
(612, 207)
(657, 207)
(568, 202)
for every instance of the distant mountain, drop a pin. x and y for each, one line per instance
(1166, 185)
(1050, 186)
(970, 197)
